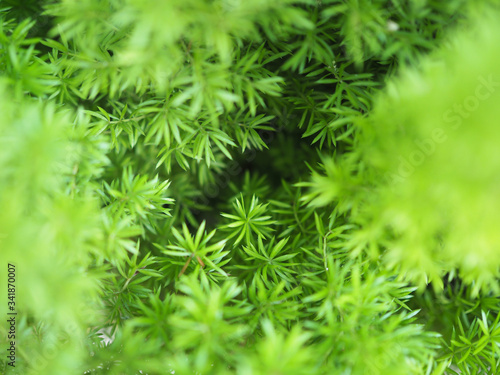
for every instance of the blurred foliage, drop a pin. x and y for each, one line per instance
(250, 187)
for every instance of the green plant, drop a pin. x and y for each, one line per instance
(250, 187)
